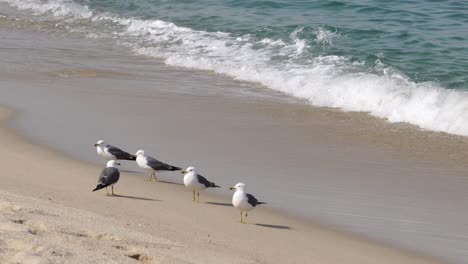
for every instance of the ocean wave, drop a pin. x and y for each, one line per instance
(59, 8)
(285, 65)
(324, 36)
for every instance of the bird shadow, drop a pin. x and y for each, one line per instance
(135, 197)
(220, 204)
(168, 182)
(132, 171)
(276, 226)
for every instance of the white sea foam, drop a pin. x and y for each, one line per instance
(331, 81)
(300, 44)
(59, 8)
(325, 36)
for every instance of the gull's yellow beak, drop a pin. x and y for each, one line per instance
(183, 171)
(232, 188)
(117, 163)
(96, 145)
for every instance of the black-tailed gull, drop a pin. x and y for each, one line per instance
(195, 182)
(108, 177)
(152, 165)
(110, 152)
(243, 201)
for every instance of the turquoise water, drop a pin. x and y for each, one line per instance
(404, 61)
(426, 40)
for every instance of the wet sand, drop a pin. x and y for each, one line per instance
(176, 230)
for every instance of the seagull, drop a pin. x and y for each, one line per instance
(152, 165)
(108, 177)
(112, 153)
(243, 201)
(195, 182)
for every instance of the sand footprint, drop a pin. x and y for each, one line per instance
(103, 236)
(23, 252)
(74, 233)
(136, 254)
(36, 228)
(13, 226)
(8, 207)
(19, 221)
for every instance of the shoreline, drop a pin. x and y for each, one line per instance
(348, 171)
(259, 230)
(325, 114)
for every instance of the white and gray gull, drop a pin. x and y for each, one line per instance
(153, 165)
(110, 152)
(196, 182)
(243, 201)
(108, 177)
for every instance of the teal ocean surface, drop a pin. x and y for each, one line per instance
(405, 61)
(425, 40)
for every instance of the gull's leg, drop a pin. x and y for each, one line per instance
(154, 175)
(112, 189)
(151, 177)
(241, 217)
(245, 220)
(193, 195)
(198, 196)
(107, 191)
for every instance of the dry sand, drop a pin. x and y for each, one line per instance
(50, 215)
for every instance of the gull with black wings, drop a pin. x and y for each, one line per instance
(110, 152)
(153, 165)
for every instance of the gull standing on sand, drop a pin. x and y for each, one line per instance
(152, 165)
(108, 177)
(195, 182)
(112, 153)
(243, 201)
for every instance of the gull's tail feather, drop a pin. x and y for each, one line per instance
(99, 187)
(128, 156)
(174, 168)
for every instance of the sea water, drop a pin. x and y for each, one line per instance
(404, 61)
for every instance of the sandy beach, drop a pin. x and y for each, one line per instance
(49, 215)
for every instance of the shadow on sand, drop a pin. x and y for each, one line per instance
(160, 181)
(132, 171)
(134, 197)
(220, 204)
(276, 226)
(168, 182)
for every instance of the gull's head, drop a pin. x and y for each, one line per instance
(99, 143)
(189, 169)
(112, 163)
(140, 153)
(238, 187)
